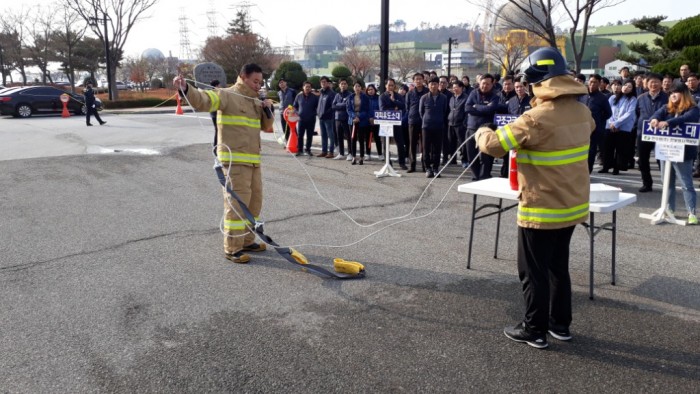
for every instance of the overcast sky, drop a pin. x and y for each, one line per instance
(286, 22)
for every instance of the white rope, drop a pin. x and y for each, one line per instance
(397, 219)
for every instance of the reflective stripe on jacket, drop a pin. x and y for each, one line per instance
(239, 121)
(552, 141)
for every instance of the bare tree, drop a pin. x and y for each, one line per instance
(406, 62)
(234, 51)
(121, 16)
(14, 26)
(540, 18)
(579, 12)
(361, 62)
(509, 51)
(67, 38)
(40, 51)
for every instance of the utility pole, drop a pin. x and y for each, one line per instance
(450, 42)
(384, 46)
(104, 19)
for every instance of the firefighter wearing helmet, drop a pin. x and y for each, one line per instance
(552, 143)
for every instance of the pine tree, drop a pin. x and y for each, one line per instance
(240, 25)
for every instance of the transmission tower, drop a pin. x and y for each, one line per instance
(185, 50)
(246, 6)
(212, 25)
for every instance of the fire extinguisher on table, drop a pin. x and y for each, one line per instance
(513, 170)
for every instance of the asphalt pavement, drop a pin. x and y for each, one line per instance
(112, 277)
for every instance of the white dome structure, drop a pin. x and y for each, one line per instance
(510, 16)
(323, 38)
(152, 53)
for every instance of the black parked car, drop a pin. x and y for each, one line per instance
(29, 100)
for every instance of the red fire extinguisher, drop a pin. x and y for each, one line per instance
(513, 173)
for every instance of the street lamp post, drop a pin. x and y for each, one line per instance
(450, 41)
(104, 19)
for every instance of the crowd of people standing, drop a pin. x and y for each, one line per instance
(441, 112)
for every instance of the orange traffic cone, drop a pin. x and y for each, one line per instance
(178, 111)
(292, 143)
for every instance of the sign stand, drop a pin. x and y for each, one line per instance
(386, 121)
(663, 214)
(387, 170)
(64, 99)
(669, 148)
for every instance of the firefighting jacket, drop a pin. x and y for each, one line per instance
(552, 141)
(240, 118)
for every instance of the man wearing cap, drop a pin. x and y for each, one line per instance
(552, 141)
(286, 95)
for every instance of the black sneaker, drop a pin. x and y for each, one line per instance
(520, 333)
(238, 257)
(560, 332)
(645, 189)
(429, 174)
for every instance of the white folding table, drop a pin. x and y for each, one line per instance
(500, 188)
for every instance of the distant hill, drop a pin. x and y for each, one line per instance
(428, 34)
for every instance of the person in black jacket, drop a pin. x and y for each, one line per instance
(455, 120)
(305, 104)
(521, 101)
(286, 96)
(90, 105)
(481, 105)
(342, 128)
(324, 110)
(392, 100)
(415, 122)
(647, 104)
(448, 148)
(432, 109)
(599, 105)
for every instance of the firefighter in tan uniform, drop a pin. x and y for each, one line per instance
(240, 117)
(552, 143)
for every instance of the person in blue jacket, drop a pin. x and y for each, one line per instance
(371, 93)
(358, 119)
(433, 109)
(619, 142)
(480, 107)
(647, 104)
(393, 101)
(681, 109)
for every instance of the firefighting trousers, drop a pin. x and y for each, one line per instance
(543, 268)
(247, 184)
